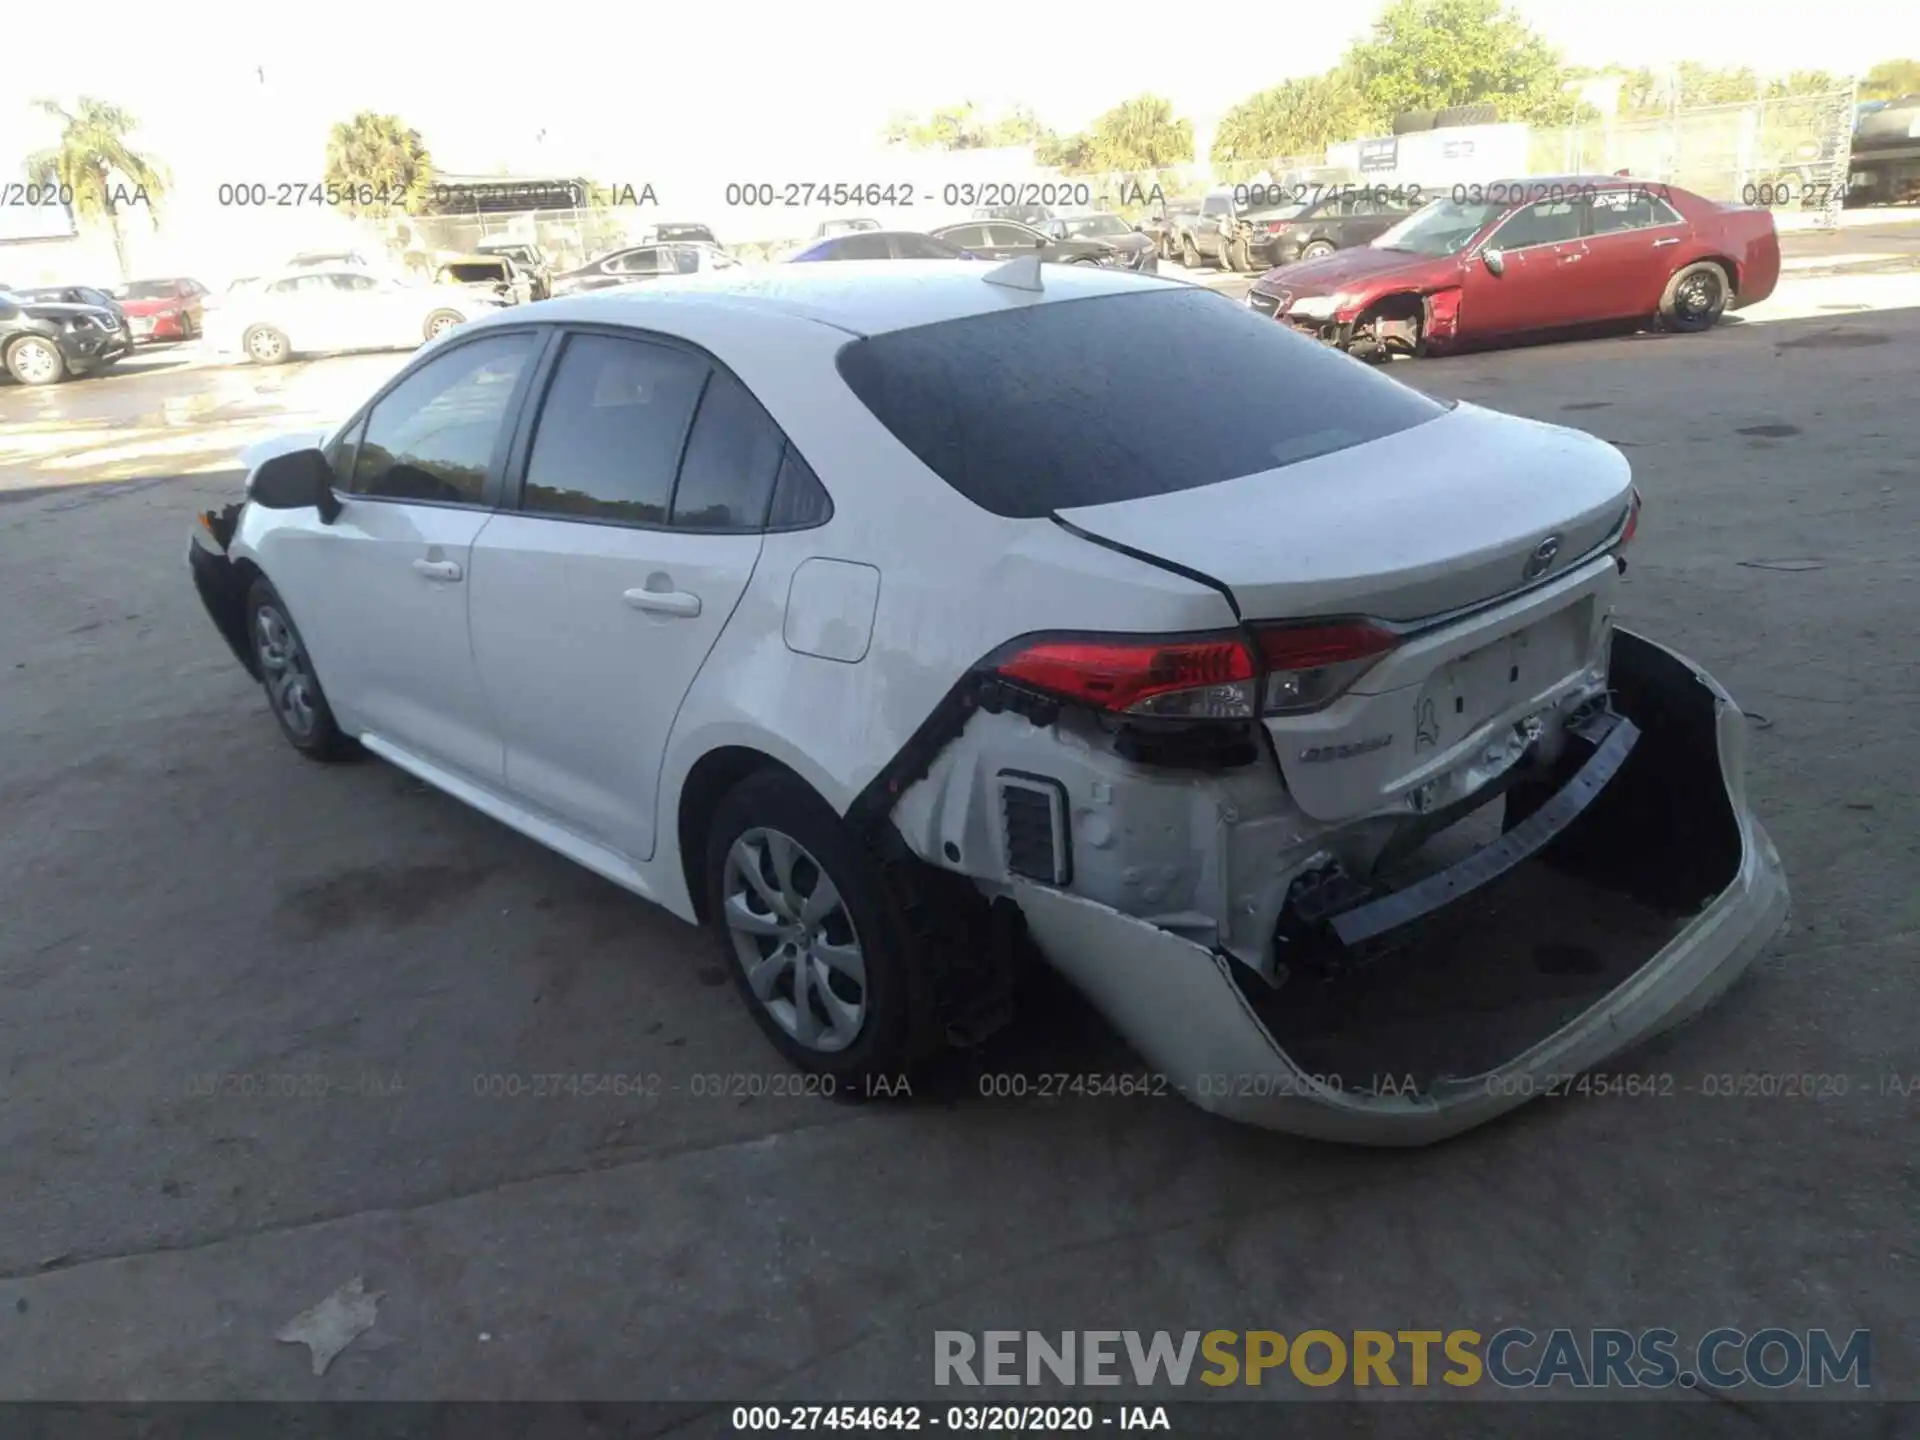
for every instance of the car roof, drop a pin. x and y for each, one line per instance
(1086, 215)
(861, 297)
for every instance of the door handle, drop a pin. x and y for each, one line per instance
(1670, 240)
(437, 569)
(682, 603)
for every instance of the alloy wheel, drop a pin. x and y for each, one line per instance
(36, 362)
(1698, 295)
(283, 662)
(795, 939)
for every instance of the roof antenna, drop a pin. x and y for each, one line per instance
(1020, 274)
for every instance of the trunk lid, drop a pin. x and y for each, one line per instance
(1431, 519)
(1449, 516)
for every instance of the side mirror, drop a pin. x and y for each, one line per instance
(1495, 262)
(296, 481)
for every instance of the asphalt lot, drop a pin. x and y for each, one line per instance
(191, 907)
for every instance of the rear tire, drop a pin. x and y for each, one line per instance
(294, 695)
(1695, 298)
(1318, 250)
(816, 941)
(442, 321)
(36, 360)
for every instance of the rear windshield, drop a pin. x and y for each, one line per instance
(1118, 397)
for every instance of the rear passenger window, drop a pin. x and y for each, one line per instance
(732, 458)
(799, 499)
(611, 431)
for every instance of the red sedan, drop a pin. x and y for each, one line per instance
(163, 309)
(1489, 262)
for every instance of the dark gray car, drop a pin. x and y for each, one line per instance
(1009, 239)
(1135, 245)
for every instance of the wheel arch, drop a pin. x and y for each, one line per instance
(1728, 267)
(705, 786)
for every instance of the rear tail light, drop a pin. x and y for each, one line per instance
(1308, 666)
(1633, 519)
(1279, 227)
(1206, 677)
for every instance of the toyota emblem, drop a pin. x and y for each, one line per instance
(1542, 558)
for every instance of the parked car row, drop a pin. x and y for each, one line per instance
(1079, 238)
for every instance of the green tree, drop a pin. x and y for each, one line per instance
(1429, 54)
(105, 174)
(382, 153)
(1890, 80)
(1139, 134)
(1295, 117)
(966, 127)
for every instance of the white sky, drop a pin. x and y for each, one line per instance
(768, 88)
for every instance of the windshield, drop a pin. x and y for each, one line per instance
(1091, 227)
(1441, 228)
(147, 290)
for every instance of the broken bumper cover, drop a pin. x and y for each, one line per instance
(221, 586)
(1676, 882)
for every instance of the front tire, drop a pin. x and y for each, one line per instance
(1318, 250)
(1189, 253)
(1236, 256)
(814, 940)
(35, 360)
(1695, 298)
(286, 672)
(442, 321)
(265, 345)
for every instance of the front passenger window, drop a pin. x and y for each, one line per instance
(431, 438)
(1547, 222)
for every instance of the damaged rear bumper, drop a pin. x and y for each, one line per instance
(1638, 914)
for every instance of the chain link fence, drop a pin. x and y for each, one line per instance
(1790, 155)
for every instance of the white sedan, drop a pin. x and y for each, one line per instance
(900, 628)
(314, 310)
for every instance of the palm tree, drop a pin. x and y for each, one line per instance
(383, 163)
(94, 162)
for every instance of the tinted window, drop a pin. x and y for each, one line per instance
(639, 262)
(862, 247)
(433, 435)
(1629, 210)
(611, 430)
(1012, 237)
(1546, 222)
(732, 457)
(799, 500)
(923, 247)
(1047, 407)
(354, 282)
(1215, 205)
(967, 237)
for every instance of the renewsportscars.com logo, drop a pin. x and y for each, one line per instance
(1514, 1358)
